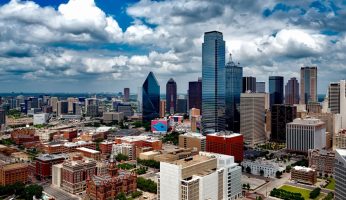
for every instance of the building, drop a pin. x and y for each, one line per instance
(313, 107)
(24, 136)
(308, 85)
(44, 163)
(337, 100)
(162, 108)
(57, 175)
(252, 117)
(126, 109)
(13, 173)
(112, 117)
(92, 107)
(62, 108)
(89, 153)
(203, 176)
(305, 134)
(141, 141)
(41, 118)
(139, 99)
(268, 168)
(304, 175)
(126, 149)
(181, 104)
(71, 101)
(276, 90)
(260, 87)
(195, 94)
(53, 101)
(171, 96)
(249, 84)
(339, 140)
(192, 140)
(150, 98)
(339, 174)
(231, 144)
(75, 172)
(213, 78)
(2, 117)
(106, 147)
(234, 86)
(126, 94)
(292, 92)
(280, 116)
(322, 161)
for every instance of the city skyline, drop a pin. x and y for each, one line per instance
(113, 45)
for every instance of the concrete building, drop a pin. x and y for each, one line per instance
(292, 92)
(192, 140)
(125, 108)
(249, 84)
(195, 94)
(269, 168)
(125, 149)
(335, 96)
(339, 140)
(41, 118)
(112, 117)
(126, 94)
(252, 117)
(314, 107)
(2, 118)
(201, 177)
(304, 175)
(339, 174)
(89, 153)
(162, 108)
(13, 173)
(44, 163)
(305, 134)
(62, 108)
(54, 103)
(322, 161)
(71, 101)
(57, 175)
(260, 87)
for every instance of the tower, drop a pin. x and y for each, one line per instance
(150, 98)
(308, 85)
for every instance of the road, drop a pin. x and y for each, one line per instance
(274, 183)
(59, 194)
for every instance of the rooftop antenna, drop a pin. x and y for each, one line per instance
(230, 57)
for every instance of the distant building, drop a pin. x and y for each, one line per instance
(339, 174)
(308, 85)
(162, 108)
(92, 107)
(13, 173)
(125, 108)
(71, 101)
(195, 94)
(126, 149)
(280, 116)
(2, 117)
(89, 153)
(260, 87)
(292, 92)
(269, 168)
(249, 84)
(41, 118)
(171, 96)
(62, 108)
(44, 164)
(150, 98)
(193, 140)
(322, 161)
(126, 94)
(181, 104)
(339, 140)
(304, 175)
(337, 100)
(111, 117)
(276, 90)
(313, 107)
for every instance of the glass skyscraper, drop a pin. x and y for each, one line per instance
(213, 79)
(195, 94)
(292, 92)
(150, 98)
(308, 85)
(171, 96)
(249, 84)
(234, 86)
(276, 89)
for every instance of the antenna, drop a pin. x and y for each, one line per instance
(230, 57)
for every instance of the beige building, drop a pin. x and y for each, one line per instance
(322, 161)
(304, 175)
(308, 84)
(339, 140)
(162, 108)
(192, 140)
(109, 117)
(70, 102)
(125, 149)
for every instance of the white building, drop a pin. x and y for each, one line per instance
(125, 149)
(204, 176)
(269, 168)
(41, 118)
(305, 134)
(57, 175)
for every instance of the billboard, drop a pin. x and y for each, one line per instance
(159, 126)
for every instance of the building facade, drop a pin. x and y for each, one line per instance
(292, 92)
(304, 175)
(150, 98)
(308, 85)
(280, 116)
(276, 90)
(195, 94)
(126, 94)
(322, 161)
(171, 96)
(192, 140)
(13, 173)
(269, 169)
(249, 84)
(260, 87)
(339, 174)
(125, 149)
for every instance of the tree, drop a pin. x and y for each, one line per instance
(121, 196)
(248, 186)
(121, 157)
(261, 172)
(278, 174)
(248, 170)
(244, 185)
(146, 185)
(33, 190)
(288, 168)
(314, 193)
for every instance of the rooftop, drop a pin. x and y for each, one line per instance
(87, 150)
(192, 161)
(301, 168)
(307, 121)
(195, 135)
(48, 157)
(14, 166)
(225, 134)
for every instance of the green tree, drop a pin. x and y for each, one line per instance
(121, 157)
(248, 186)
(278, 174)
(288, 168)
(146, 185)
(314, 193)
(33, 190)
(121, 196)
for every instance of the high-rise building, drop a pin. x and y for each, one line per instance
(252, 117)
(139, 99)
(260, 87)
(162, 108)
(150, 98)
(213, 87)
(195, 94)
(62, 108)
(181, 104)
(292, 92)
(126, 94)
(337, 100)
(305, 134)
(2, 117)
(54, 103)
(249, 84)
(171, 96)
(308, 85)
(339, 174)
(322, 161)
(276, 90)
(92, 107)
(203, 176)
(70, 101)
(280, 116)
(234, 86)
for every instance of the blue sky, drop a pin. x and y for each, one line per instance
(106, 45)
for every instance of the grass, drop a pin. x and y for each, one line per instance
(305, 193)
(331, 185)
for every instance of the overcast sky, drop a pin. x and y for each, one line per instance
(105, 45)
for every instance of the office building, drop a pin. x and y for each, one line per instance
(77, 108)
(249, 84)
(280, 116)
(126, 149)
(44, 163)
(89, 153)
(213, 78)
(54, 103)
(252, 118)
(234, 86)
(195, 94)
(276, 90)
(57, 175)
(112, 117)
(162, 108)
(2, 117)
(269, 168)
(62, 108)
(150, 98)
(337, 100)
(126, 94)
(181, 104)
(204, 176)
(41, 118)
(304, 175)
(92, 107)
(13, 173)
(71, 101)
(193, 141)
(171, 96)
(313, 107)
(305, 134)
(260, 87)
(139, 99)
(125, 108)
(339, 140)
(339, 174)
(292, 92)
(308, 85)
(322, 161)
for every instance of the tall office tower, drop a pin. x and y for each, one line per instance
(139, 99)
(213, 87)
(77, 108)
(308, 85)
(292, 92)
(126, 94)
(252, 118)
(150, 98)
(92, 107)
(343, 103)
(280, 116)
(195, 94)
(162, 108)
(276, 90)
(171, 96)
(54, 103)
(19, 100)
(62, 108)
(203, 176)
(34, 102)
(2, 117)
(305, 134)
(249, 84)
(339, 174)
(70, 101)
(335, 97)
(234, 86)
(181, 104)
(260, 87)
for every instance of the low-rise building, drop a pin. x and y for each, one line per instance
(268, 168)
(13, 173)
(89, 153)
(322, 161)
(304, 175)
(141, 141)
(339, 140)
(44, 163)
(112, 117)
(57, 175)
(193, 140)
(106, 147)
(126, 149)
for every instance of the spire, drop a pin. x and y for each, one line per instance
(230, 57)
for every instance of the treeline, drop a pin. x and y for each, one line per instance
(149, 163)
(21, 191)
(314, 193)
(283, 194)
(146, 185)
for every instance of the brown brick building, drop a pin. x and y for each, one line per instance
(12, 173)
(22, 136)
(43, 164)
(304, 175)
(322, 161)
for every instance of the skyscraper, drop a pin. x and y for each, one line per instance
(195, 94)
(171, 96)
(162, 108)
(2, 117)
(213, 87)
(139, 99)
(339, 174)
(126, 94)
(260, 87)
(308, 85)
(181, 104)
(150, 98)
(234, 86)
(276, 89)
(249, 84)
(292, 92)
(280, 116)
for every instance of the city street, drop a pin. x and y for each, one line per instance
(274, 183)
(59, 194)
